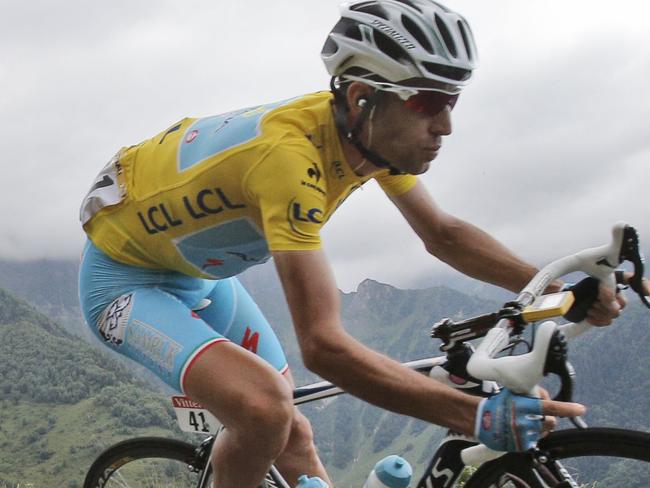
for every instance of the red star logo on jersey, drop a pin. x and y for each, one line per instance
(212, 262)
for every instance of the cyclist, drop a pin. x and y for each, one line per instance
(171, 221)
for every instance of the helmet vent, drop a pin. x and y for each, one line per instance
(449, 72)
(351, 29)
(389, 47)
(348, 28)
(410, 4)
(463, 33)
(371, 8)
(330, 47)
(446, 36)
(416, 32)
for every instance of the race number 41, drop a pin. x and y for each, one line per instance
(192, 417)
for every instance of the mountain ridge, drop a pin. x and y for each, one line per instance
(65, 400)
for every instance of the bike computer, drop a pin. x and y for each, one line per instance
(547, 306)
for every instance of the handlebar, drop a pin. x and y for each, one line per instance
(521, 374)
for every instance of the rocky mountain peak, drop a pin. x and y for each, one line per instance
(370, 288)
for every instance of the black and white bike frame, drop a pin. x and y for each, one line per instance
(521, 373)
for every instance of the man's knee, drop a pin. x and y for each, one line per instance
(252, 400)
(301, 432)
(268, 410)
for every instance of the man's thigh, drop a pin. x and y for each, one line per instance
(233, 313)
(155, 329)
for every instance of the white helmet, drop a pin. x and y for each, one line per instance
(384, 42)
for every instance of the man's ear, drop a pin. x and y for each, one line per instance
(357, 96)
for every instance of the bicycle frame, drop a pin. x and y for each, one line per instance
(445, 463)
(303, 395)
(324, 389)
(519, 373)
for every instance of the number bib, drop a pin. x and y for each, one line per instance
(192, 417)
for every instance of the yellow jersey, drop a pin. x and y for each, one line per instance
(210, 197)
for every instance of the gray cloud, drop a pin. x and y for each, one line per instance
(550, 146)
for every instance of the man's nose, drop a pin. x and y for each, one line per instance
(440, 123)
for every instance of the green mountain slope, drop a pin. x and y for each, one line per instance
(62, 402)
(49, 285)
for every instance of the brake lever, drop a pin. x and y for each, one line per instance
(558, 364)
(636, 283)
(630, 252)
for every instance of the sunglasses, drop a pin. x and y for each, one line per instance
(430, 102)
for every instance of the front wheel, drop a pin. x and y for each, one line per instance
(148, 462)
(588, 458)
(154, 462)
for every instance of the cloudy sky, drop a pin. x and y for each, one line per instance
(551, 141)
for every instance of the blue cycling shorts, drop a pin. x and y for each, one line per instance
(164, 320)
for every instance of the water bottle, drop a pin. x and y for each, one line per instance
(305, 481)
(391, 472)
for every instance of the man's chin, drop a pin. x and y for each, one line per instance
(419, 168)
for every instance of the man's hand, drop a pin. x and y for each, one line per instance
(514, 423)
(607, 307)
(552, 408)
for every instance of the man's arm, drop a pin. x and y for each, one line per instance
(329, 351)
(477, 254)
(460, 244)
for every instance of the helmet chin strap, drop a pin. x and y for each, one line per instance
(353, 135)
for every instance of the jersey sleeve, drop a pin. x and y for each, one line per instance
(394, 185)
(292, 213)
